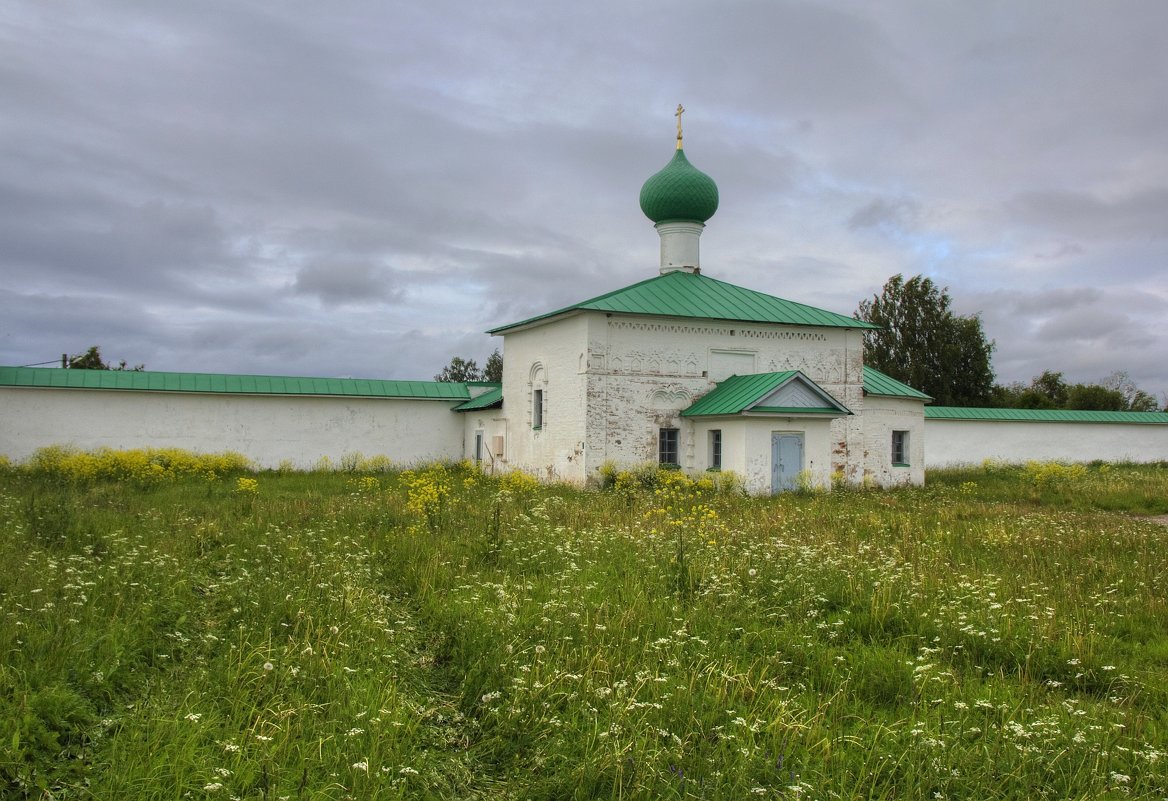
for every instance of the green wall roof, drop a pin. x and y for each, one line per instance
(491, 398)
(229, 384)
(1044, 415)
(692, 295)
(878, 383)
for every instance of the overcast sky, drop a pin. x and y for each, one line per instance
(363, 188)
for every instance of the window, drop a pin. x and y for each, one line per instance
(537, 409)
(716, 449)
(900, 448)
(478, 446)
(667, 446)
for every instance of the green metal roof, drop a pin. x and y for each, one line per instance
(680, 191)
(229, 384)
(1044, 415)
(692, 295)
(877, 383)
(740, 393)
(489, 399)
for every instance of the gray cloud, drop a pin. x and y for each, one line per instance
(236, 186)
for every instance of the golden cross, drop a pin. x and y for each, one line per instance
(678, 114)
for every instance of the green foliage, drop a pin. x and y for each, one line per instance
(91, 360)
(347, 635)
(1116, 393)
(144, 466)
(461, 369)
(1139, 489)
(493, 369)
(924, 344)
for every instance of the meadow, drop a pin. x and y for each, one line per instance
(175, 626)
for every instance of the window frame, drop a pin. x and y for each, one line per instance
(900, 440)
(537, 416)
(669, 443)
(715, 449)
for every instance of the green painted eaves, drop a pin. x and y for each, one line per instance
(696, 296)
(793, 410)
(1043, 415)
(216, 383)
(878, 383)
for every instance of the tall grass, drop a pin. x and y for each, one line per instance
(438, 633)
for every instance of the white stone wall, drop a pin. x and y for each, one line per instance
(549, 358)
(269, 429)
(949, 443)
(882, 416)
(642, 372)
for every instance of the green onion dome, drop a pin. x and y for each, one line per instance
(679, 192)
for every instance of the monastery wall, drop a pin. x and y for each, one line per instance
(882, 416)
(268, 429)
(950, 443)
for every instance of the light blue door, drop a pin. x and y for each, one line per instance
(786, 461)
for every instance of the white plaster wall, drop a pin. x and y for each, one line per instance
(493, 425)
(555, 451)
(757, 432)
(950, 443)
(731, 442)
(746, 448)
(882, 416)
(269, 429)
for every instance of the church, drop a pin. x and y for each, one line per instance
(680, 369)
(685, 369)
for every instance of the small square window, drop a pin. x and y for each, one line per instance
(667, 446)
(716, 449)
(900, 448)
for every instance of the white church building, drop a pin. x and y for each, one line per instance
(680, 368)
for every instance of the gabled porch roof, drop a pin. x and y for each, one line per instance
(787, 393)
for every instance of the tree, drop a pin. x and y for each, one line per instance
(1116, 393)
(1134, 398)
(1095, 398)
(493, 372)
(924, 344)
(460, 370)
(91, 360)
(1047, 391)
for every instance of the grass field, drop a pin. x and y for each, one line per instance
(177, 627)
